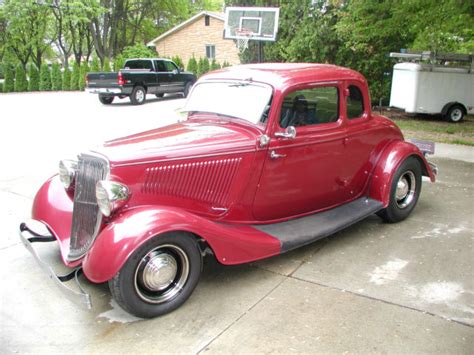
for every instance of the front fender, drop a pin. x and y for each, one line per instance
(389, 161)
(231, 244)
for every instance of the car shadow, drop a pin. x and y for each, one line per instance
(149, 99)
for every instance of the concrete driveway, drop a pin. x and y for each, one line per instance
(373, 288)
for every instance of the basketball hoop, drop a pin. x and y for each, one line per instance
(243, 37)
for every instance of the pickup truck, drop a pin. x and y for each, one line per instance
(140, 77)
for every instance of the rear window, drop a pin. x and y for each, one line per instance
(138, 64)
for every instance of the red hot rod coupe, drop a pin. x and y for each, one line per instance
(271, 157)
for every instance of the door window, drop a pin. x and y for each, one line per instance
(355, 103)
(170, 67)
(160, 66)
(310, 107)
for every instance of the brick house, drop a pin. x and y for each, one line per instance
(201, 36)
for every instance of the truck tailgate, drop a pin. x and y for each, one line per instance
(102, 80)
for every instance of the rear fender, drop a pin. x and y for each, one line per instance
(391, 158)
(231, 244)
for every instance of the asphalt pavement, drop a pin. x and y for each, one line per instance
(372, 288)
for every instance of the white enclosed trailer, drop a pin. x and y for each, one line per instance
(433, 89)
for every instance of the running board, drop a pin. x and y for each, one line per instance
(301, 231)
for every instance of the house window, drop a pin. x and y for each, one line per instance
(207, 20)
(210, 51)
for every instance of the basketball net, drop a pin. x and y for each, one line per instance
(243, 42)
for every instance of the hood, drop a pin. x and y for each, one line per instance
(180, 140)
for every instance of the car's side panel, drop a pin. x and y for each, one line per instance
(231, 244)
(390, 159)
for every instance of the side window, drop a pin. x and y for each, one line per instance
(310, 107)
(170, 67)
(160, 66)
(138, 64)
(355, 103)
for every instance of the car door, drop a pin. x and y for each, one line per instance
(304, 173)
(162, 77)
(176, 79)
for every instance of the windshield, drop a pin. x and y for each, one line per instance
(241, 99)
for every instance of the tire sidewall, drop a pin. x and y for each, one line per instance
(123, 282)
(450, 113)
(135, 91)
(106, 100)
(393, 212)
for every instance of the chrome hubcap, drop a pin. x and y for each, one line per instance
(161, 274)
(406, 188)
(140, 95)
(456, 114)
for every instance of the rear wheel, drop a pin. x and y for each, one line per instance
(159, 276)
(106, 100)
(187, 89)
(138, 95)
(404, 192)
(455, 114)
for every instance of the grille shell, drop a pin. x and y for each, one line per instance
(86, 216)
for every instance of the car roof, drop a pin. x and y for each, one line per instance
(169, 60)
(282, 74)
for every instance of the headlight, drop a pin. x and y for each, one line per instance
(110, 196)
(67, 172)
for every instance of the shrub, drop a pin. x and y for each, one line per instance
(177, 60)
(119, 62)
(34, 78)
(106, 66)
(215, 65)
(76, 73)
(56, 79)
(45, 78)
(21, 84)
(95, 66)
(9, 84)
(225, 64)
(192, 65)
(1, 87)
(66, 79)
(203, 66)
(83, 72)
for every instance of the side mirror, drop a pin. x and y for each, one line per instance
(175, 71)
(290, 133)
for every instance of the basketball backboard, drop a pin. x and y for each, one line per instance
(256, 23)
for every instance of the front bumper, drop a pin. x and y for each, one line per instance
(30, 234)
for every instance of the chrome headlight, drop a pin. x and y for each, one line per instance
(67, 172)
(111, 196)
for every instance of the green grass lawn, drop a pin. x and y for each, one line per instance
(435, 128)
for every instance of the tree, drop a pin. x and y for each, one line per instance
(66, 79)
(9, 72)
(215, 65)
(83, 72)
(21, 84)
(192, 65)
(177, 60)
(34, 78)
(95, 67)
(45, 78)
(56, 78)
(76, 73)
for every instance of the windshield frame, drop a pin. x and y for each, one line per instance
(223, 116)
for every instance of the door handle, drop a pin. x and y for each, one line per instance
(275, 155)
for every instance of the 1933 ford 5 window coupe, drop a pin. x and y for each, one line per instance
(271, 157)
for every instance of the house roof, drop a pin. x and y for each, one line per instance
(216, 15)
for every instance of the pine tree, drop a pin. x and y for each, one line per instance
(95, 67)
(9, 72)
(76, 72)
(215, 65)
(83, 72)
(66, 79)
(56, 79)
(34, 78)
(192, 65)
(177, 60)
(45, 78)
(21, 84)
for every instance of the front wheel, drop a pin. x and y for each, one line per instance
(138, 95)
(159, 276)
(455, 114)
(106, 100)
(404, 192)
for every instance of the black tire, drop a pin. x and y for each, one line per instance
(455, 114)
(159, 95)
(106, 100)
(187, 89)
(175, 252)
(138, 95)
(403, 197)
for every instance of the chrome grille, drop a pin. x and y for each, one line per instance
(86, 217)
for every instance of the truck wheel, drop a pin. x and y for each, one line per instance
(159, 276)
(455, 114)
(404, 193)
(187, 89)
(106, 100)
(159, 95)
(138, 95)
